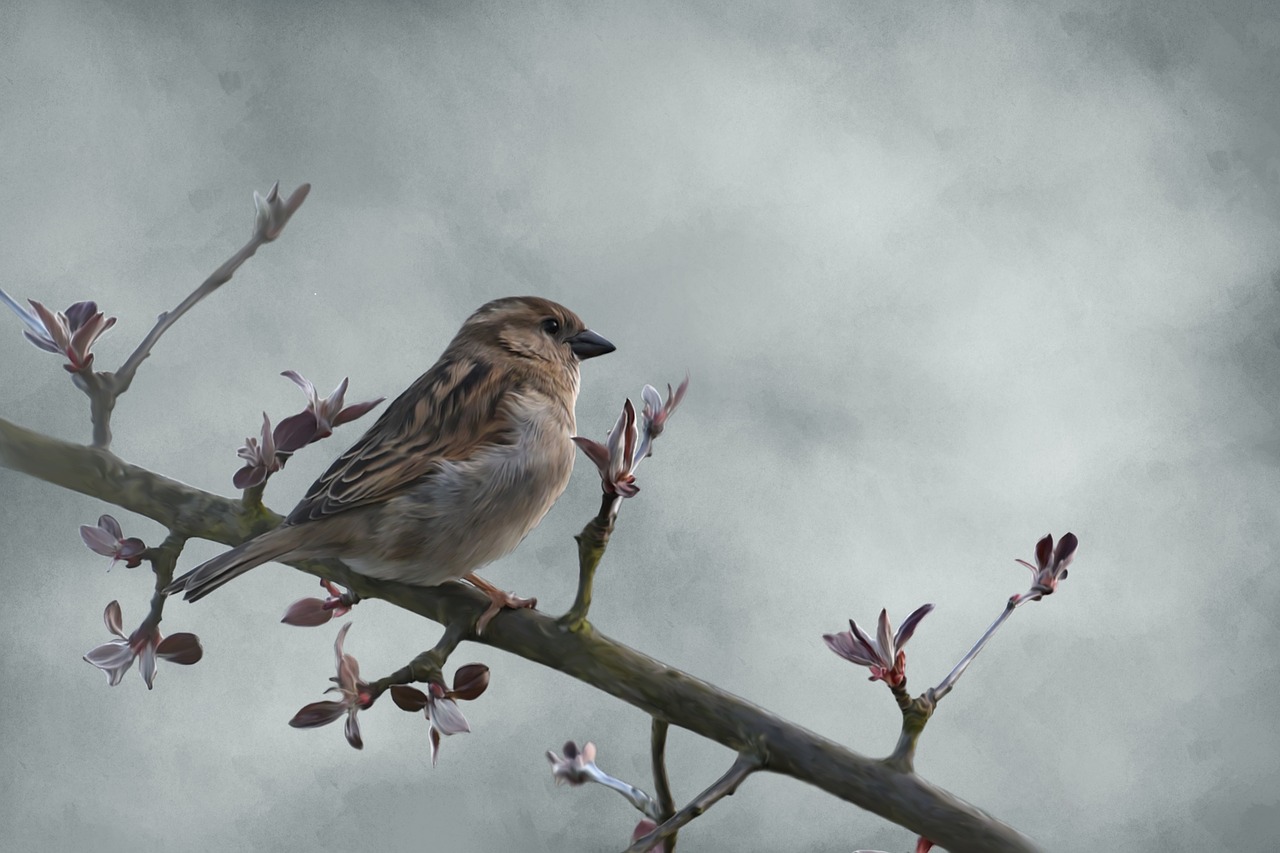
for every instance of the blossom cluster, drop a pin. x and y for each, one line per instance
(631, 439)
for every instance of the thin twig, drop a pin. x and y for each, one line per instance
(949, 682)
(743, 766)
(428, 666)
(103, 389)
(915, 714)
(251, 498)
(124, 376)
(163, 559)
(592, 542)
(641, 800)
(661, 784)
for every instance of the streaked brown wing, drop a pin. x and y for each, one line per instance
(446, 414)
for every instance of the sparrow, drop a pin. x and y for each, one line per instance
(456, 471)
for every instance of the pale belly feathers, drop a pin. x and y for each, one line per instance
(469, 513)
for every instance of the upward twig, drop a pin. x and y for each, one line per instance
(945, 686)
(661, 784)
(743, 766)
(265, 231)
(104, 388)
(591, 544)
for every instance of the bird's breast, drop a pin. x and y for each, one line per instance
(472, 511)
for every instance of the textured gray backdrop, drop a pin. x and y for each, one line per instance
(947, 277)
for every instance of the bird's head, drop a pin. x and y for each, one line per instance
(535, 329)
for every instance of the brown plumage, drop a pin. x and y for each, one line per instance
(456, 471)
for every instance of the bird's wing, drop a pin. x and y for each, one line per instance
(449, 412)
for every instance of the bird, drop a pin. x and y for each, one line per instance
(457, 470)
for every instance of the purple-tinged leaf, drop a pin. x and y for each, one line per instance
(98, 540)
(41, 341)
(908, 627)
(348, 673)
(355, 410)
(1044, 548)
(631, 435)
(333, 403)
(307, 613)
(55, 327)
(114, 619)
(86, 335)
(181, 648)
(111, 526)
(317, 714)
(131, 551)
(295, 432)
(111, 654)
(1066, 548)
(249, 476)
(866, 642)
(447, 717)
(596, 452)
(352, 731)
(470, 681)
(652, 401)
(848, 648)
(301, 381)
(408, 698)
(79, 313)
(884, 635)
(113, 657)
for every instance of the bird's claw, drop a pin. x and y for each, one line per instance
(500, 600)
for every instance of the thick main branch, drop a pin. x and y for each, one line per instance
(665, 693)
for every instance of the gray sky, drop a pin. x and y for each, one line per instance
(947, 277)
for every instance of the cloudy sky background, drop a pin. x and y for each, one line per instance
(947, 277)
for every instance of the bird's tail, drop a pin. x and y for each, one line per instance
(210, 575)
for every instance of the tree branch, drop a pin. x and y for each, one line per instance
(428, 665)
(949, 682)
(103, 389)
(915, 714)
(164, 559)
(661, 784)
(591, 544)
(263, 233)
(585, 654)
(743, 766)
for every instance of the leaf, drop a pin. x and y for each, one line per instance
(181, 648)
(98, 540)
(114, 619)
(307, 613)
(295, 432)
(352, 731)
(907, 628)
(470, 681)
(249, 476)
(408, 698)
(447, 717)
(355, 410)
(317, 714)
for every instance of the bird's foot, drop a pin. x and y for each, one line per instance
(499, 600)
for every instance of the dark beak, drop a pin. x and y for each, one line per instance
(587, 344)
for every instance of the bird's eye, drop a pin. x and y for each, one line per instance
(551, 325)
